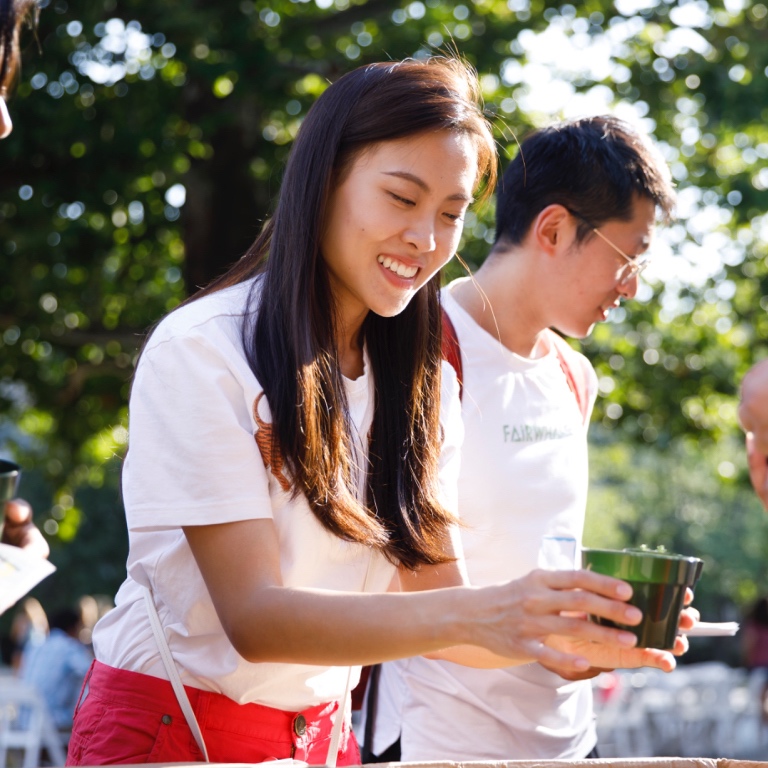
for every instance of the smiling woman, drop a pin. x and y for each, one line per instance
(12, 14)
(290, 452)
(393, 221)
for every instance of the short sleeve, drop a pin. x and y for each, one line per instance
(192, 457)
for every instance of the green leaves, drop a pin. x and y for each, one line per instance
(150, 140)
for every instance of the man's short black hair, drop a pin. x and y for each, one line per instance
(66, 619)
(593, 166)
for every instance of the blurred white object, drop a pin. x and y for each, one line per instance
(713, 629)
(26, 725)
(19, 572)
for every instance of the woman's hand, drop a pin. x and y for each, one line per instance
(522, 616)
(20, 531)
(608, 657)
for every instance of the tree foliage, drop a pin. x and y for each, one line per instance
(149, 146)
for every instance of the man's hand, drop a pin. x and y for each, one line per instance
(605, 658)
(20, 531)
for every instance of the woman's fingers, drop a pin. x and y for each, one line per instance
(523, 613)
(545, 615)
(582, 592)
(587, 580)
(559, 598)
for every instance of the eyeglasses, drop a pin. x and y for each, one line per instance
(633, 267)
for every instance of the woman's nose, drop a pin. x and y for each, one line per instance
(421, 234)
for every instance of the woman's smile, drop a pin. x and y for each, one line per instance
(393, 264)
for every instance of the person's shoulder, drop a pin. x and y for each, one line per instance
(457, 314)
(209, 319)
(447, 297)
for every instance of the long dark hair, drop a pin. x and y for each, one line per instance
(12, 14)
(291, 345)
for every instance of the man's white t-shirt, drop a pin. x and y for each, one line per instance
(193, 459)
(522, 499)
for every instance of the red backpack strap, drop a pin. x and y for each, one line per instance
(575, 372)
(452, 350)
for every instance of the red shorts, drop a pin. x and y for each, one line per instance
(127, 717)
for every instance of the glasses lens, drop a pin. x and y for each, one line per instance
(634, 268)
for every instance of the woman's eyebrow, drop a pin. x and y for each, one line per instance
(419, 182)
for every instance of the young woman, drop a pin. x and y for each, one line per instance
(288, 454)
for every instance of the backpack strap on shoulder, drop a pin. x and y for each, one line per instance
(575, 372)
(451, 350)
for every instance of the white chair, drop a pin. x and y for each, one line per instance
(26, 725)
(622, 726)
(752, 723)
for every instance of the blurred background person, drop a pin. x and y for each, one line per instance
(753, 417)
(755, 644)
(29, 626)
(57, 665)
(92, 608)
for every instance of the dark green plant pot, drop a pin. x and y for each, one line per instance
(658, 581)
(9, 479)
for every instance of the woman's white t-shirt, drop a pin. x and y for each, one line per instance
(193, 459)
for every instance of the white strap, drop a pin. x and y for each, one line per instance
(341, 713)
(173, 674)
(183, 699)
(186, 706)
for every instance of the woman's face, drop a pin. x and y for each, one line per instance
(395, 219)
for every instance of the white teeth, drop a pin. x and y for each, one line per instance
(401, 270)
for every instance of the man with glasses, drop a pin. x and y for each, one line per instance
(575, 216)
